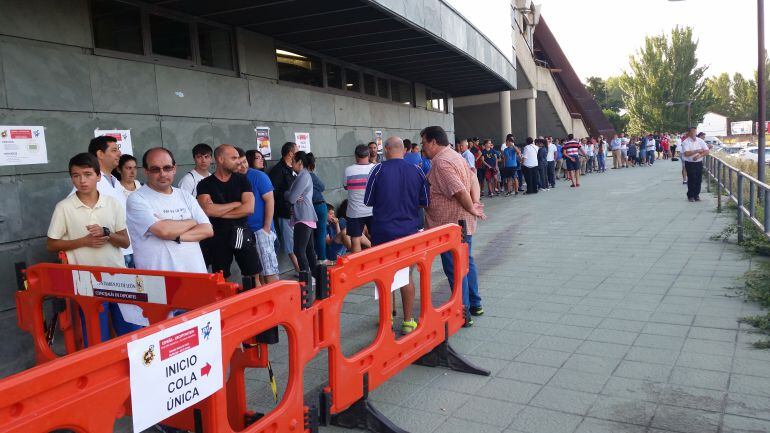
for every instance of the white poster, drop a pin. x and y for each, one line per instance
(143, 288)
(303, 141)
(263, 142)
(738, 128)
(378, 140)
(22, 145)
(122, 135)
(400, 279)
(174, 369)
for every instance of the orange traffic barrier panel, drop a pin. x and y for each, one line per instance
(88, 390)
(344, 402)
(74, 289)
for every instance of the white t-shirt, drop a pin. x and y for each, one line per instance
(354, 181)
(690, 144)
(127, 192)
(530, 155)
(650, 144)
(189, 182)
(468, 155)
(588, 148)
(145, 207)
(552, 149)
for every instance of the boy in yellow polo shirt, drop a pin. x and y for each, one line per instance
(89, 227)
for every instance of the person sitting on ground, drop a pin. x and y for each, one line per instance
(337, 240)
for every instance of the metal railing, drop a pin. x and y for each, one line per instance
(752, 197)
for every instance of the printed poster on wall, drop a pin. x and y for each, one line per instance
(738, 128)
(22, 145)
(303, 141)
(263, 142)
(174, 369)
(122, 135)
(378, 140)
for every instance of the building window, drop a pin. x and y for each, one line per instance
(117, 26)
(333, 76)
(299, 68)
(370, 86)
(352, 80)
(170, 38)
(401, 92)
(121, 27)
(434, 100)
(216, 46)
(382, 88)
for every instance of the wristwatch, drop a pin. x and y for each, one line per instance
(178, 239)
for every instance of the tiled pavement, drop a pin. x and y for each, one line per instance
(606, 311)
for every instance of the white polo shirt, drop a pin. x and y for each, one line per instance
(690, 144)
(552, 149)
(530, 155)
(69, 221)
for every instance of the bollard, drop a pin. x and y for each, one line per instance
(740, 207)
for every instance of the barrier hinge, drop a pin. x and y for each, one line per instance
(311, 419)
(464, 228)
(306, 290)
(322, 285)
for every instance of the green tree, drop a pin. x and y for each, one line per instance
(664, 69)
(614, 94)
(618, 121)
(720, 89)
(744, 98)
(598, 90)
(606, 93)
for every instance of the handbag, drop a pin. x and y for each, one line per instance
(242, 238)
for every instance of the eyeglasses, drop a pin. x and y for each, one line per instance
(165, 168)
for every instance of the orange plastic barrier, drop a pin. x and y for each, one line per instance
(158, 293)
(350, 379)
(87, 390)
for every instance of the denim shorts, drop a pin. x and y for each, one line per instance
(287, 235)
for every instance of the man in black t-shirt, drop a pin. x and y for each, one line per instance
(227, 198)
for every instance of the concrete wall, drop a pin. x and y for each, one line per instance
(49, 77)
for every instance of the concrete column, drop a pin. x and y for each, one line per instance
(505, 113)
(532, 117)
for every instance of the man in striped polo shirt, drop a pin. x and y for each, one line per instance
(572, 151)
(359, 215)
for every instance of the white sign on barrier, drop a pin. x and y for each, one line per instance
(400, 279)
(174, 369)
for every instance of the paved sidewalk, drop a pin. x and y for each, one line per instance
(606, 311)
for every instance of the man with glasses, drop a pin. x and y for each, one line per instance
(166, 223)
(227, 198)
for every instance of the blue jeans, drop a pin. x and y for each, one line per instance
(321, 211)
(651, 156)
(471, 296)
(600, 159)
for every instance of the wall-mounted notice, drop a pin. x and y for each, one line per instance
(303, 141)
(263, 142)
(174, 369)
(122, 135)
(378, 140)
(22, 145)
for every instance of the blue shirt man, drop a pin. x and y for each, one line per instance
(396, 190)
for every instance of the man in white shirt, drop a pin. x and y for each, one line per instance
(529, 165)
(551, 162)
(462, 149)
(354, 181)
(166, 223)
(693, 151)
(202, 155)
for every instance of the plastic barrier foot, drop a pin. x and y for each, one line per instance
(444, 356)
(364, 416)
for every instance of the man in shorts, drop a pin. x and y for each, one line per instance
(359, 215)
(228, 199)
(572, 152)
(511, 158)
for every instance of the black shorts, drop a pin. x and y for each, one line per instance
(573, 165)
(356, 226)
(508, 172)
(220, 256)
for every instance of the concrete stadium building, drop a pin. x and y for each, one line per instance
(180, 72)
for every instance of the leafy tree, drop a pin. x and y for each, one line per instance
(598, 90)
(607, 94)
(618, 121)
(665, 69)
(720, 90)
(614, 94)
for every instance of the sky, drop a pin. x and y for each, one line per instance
(598, 36)
(726, 31)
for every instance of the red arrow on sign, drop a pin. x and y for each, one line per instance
(205, 369)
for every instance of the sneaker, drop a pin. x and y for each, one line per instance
(468, 322)
(408, 326)
(477, 311)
